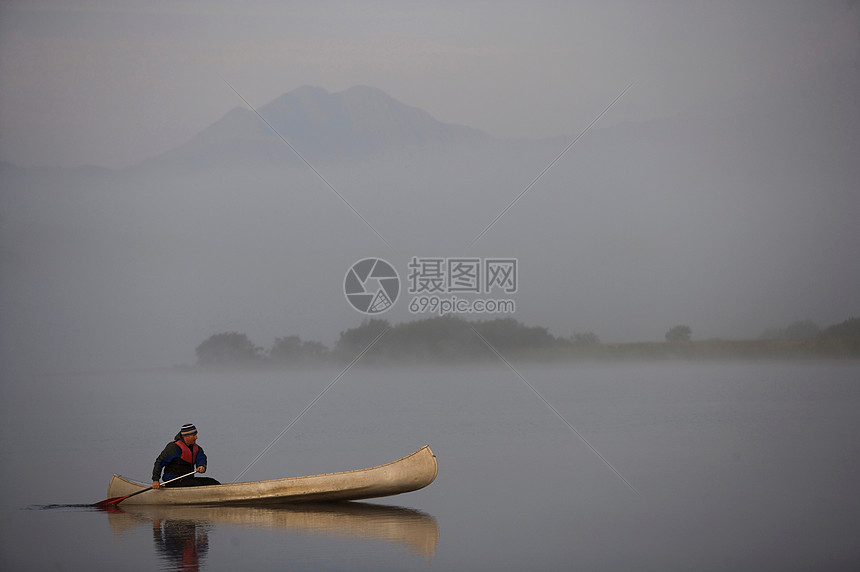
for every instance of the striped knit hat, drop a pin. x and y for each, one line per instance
(188, 429)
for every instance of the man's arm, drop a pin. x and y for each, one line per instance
(200, 461)
(170, 452)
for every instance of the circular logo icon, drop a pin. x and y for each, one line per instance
(371, 286)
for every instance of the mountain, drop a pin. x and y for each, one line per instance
(320, 125)
(729, 220)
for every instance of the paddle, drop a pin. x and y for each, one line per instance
(116, 500)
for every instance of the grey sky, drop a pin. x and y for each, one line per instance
(111, 83)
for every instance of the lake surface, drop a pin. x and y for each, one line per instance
(735, 466)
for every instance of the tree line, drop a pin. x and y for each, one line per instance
(452, 338)
(439, 337)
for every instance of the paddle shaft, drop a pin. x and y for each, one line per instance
(116, 500)
(165, 482)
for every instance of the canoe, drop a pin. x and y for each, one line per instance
(404, 475)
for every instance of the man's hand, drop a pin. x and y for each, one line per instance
(156, 485)
(201, 469)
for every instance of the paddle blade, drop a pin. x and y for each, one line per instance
(111, 501)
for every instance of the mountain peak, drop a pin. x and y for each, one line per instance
(321, 126)
(365, 91)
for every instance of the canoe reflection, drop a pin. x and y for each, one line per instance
(181, 531)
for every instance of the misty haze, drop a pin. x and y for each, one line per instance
(668, 380)
(732, 221)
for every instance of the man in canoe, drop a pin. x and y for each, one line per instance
(180, 457)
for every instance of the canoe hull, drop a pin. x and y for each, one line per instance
(407, 474)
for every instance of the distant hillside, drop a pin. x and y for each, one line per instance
(850, 328)
(727, 220)
(450, 339)
(320, 125)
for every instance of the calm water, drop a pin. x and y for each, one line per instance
(737, 466)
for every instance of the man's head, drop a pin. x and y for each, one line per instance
(189, 433)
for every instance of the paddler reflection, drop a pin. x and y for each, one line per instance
(182, 543)
(182, 531)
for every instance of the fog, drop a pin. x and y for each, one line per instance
(720, 192)
(173, 171)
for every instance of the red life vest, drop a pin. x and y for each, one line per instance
(189, 455)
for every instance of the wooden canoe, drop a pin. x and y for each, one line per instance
(410, 473)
